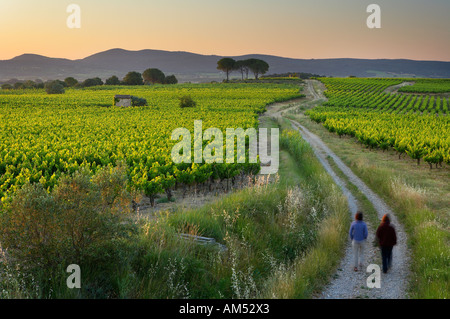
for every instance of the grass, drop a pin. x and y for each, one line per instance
(307, 274)
(419, 197)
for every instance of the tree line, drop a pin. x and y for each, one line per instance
(149, 76)
(256, 66)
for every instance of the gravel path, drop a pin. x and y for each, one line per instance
(345, 282)
(394, 88)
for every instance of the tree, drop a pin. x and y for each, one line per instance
(19, 85)
(171, 79)
(29, 84)
(153, 76)
(133, 78)
(88, 83)
(92, 82)
(60, 82)
(7, 86)
(98, 81)
(54, 87)
(226, 65)
(39, 84)
(257, 67)
(114, 80)
(71, 82)
(243, 66)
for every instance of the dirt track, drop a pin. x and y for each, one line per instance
(346, 283)
(395, 88)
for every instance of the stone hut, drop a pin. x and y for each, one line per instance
(122, 100)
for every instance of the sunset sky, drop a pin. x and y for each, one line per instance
(411, 29)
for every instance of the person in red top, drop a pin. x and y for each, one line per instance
(387, 239)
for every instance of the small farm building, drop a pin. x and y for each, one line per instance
(122, 100)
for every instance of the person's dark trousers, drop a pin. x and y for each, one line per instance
(386, 255)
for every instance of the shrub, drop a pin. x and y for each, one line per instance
(42, 230)
(19, 85)
(54, 87)
(153, 76)
(114, 80)
(29, 84)
(7, 86)
(29, 229)
(92, 82)
(138, 101)
(70, 82)
(187, 101)
(39, 85)
(64, 84)
(133, 78)
(171, 79)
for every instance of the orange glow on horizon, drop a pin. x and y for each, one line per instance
(284, 28)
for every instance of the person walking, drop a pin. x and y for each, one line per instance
(358, 234)
(386, 239)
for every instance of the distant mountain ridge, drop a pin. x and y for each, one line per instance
(202, 68)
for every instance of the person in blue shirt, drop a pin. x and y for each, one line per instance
(358, 234)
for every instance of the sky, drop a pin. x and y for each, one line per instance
(308, 29)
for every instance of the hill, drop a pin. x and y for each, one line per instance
(202, 68)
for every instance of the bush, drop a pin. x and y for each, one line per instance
(133, 78)
(171, 79)
(92, 82)
(114, 80)
(54, 87)
(154, 76)
(7, 86)
(70, 82)
(42, 230)
(39, 85)
(138, 101)
(187, 101)
(29, 84)
(19, 85)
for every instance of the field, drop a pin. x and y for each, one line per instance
(279, 238)
(411, 124)
(428, 86)
(69, 164)
(44, 137)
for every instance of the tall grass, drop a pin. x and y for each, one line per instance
(309, 272)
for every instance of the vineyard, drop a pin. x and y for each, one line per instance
(428, 86)
(416, 125)
(45, 136)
